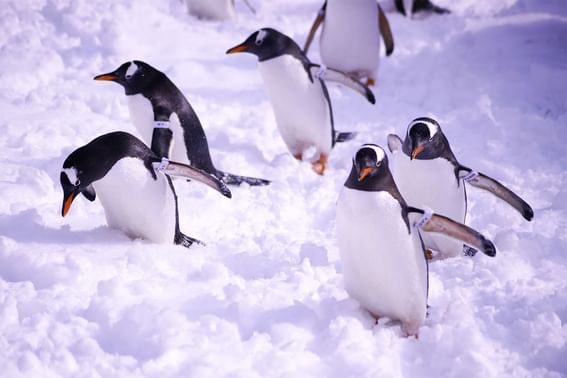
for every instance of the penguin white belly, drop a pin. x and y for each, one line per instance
(136, 203)
(142, 115)
(300, 107)
(432, 183)
(350, 39)
(211, 9)
(384, 267)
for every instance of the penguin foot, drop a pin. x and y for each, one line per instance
(429, 254)
(298, 156)
(186, 241)
(319, 165)
(370, 82)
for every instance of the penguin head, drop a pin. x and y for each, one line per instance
(424, 139)
(266, 43)
(134, 76)
(370, 161)
(74, 181)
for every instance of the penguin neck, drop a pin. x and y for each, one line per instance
(290, 48)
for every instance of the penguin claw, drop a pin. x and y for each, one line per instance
(370, 82)
(319, 165)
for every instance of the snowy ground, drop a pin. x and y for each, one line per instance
(266, 296)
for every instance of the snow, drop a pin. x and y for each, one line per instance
(266, 296)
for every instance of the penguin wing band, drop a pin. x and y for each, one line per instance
(484, 182)
(175, 169)
(333, 75)
(443, 225)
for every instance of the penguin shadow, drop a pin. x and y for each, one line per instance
(24, 227)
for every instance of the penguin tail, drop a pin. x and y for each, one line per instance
(235, 180)
(341, 137)
(186, 241)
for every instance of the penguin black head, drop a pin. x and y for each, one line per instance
(92, 162)
(425, 140)
(134, 76)
(268, 43)
(370, 171)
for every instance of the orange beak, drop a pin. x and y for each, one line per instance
(106, 77)
(416, 152)
(67, 203)
(237, 49)
(364, 173)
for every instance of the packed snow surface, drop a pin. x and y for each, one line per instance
(265, 297)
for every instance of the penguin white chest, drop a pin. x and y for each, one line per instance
(300, 108)
(432, 183)
(383, 265)
(136, 203)
(350, 39)
(211, 9)
(142, 116)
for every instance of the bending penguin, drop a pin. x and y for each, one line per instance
(409, 7)
(382, 255)
(165, 119)
(350, 39)
(214, 9)
(133, 185)
(425, 160)
(298, 94)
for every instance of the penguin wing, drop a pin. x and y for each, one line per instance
(394, 143)
(440, 224)
(176, 169)
(385, 31)
(89, 193)
(484, 182)
(333, 75)
(318, 21)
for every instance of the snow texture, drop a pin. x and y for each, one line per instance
(266, 297)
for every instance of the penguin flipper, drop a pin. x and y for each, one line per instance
(440, 224)
(400, 6)
(341, 137)
(394, 143)
(316, 23)
(334, 75)
(385, 31)
(176, 169)
(481, 181)
(235, 180)
(185, 241)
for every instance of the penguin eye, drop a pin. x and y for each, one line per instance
(77, 182)
(259, 42)
(128, 77)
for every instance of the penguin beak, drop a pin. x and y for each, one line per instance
(67, 201)
(111, 76)
(243, 47)
(364, 172)
(416, 151)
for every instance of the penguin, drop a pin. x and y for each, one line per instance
(214, 9)
(133, 185)
(425, 160)
(298, 94)
(409, 7)
(165, 119)
(350, 39)
(381, 252)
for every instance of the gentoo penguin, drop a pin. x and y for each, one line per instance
(165, 119)
(428, 174)
(382, 256)
(214, 9)
(133, 185)
(409, 7)
(298, 94)
(350, 39)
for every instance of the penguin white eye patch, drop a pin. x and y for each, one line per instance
(72, 175)
(132, 68)
(260, 37)
(433, 128)
(377, 150)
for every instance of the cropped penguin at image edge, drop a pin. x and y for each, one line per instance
(133, 185)
(350, 38)
(410, 7)
(298, 94)
(165, 119)
(382, 255)
(424, 159)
